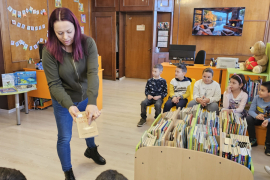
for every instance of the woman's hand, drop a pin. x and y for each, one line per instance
(73, 110)
(92, 113)
(260, 117)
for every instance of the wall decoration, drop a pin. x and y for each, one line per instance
(81, 7)
(163, 25)
(58, 3)
(82, 29)
(83, 18)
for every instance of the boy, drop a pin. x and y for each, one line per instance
(259, 115)
(179, 89)
(155, 91)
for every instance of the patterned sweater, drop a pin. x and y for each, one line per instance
(156, 87)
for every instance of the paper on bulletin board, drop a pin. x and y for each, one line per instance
(162, 38)
(163, 33)
(140, 27)
(162, 44)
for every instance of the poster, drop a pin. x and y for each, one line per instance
(83, 18)
(81, 7)
(58, 3)
(163, 25)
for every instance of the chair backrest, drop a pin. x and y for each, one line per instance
(267, 52)
(200, 57)
(190, 98)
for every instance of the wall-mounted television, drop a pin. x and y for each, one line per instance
(222, 21)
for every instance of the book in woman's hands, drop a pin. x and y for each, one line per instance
(85, 130)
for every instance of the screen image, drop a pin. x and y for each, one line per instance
(227, 21)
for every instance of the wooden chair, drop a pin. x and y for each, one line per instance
(167, 97)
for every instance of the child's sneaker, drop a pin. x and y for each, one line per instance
(141, 122)
(267, 169)
(267, 149)
(253, 142)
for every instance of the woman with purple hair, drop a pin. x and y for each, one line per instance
(70, 63)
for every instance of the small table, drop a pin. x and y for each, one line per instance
(17, 103)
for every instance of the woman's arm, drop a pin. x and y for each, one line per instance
(92, 72)
(50, 66)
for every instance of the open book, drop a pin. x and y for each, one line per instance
(86, 131)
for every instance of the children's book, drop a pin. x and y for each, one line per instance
(85, 130)
(8, 80)
(7, 90)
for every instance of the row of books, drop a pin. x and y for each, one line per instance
(253, 87)
(188, 111)
(232, 124)
(237, 148)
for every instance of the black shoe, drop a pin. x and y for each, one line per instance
(69, 175)
(267, 149)
(141, 122)
(253, 142)
(93, 154)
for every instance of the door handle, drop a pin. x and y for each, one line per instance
(150, 49)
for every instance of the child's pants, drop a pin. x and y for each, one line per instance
(252, 122)
(169, 104)
(148, 102)
(209, 107)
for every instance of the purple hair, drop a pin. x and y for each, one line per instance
(54, 45)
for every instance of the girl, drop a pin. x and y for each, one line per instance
(70, 63)
(206, 92)
(235, 97)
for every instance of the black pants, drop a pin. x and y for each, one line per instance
(148, 102)
(169, 104)
(252, 122)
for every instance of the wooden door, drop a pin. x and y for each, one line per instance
(105, 5)
(138, 53)
(136, 5)
(104, 33)
(164, 5)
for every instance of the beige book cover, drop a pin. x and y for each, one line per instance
(86, 131)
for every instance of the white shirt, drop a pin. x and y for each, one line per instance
(211, 91)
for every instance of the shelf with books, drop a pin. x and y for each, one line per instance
(192, 129)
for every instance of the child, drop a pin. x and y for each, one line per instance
(235, 97)
(259, 114)
(155, 91)
(206, 92)
(179, 89)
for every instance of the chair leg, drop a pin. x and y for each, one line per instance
(149, 109)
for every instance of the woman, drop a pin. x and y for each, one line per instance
(70, 63)
(206, 92)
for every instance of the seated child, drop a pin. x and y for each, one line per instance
(155, 91)
(179, 89)
(259, 114)
(206, 92)
(235, 97)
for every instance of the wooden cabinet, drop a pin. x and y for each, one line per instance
(105, 5)
(104, 33)
(164, 5)
(160, 57)
(136, 5)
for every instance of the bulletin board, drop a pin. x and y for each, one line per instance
(36, 17)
